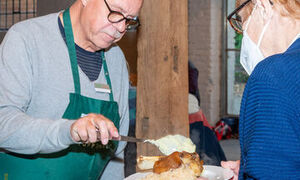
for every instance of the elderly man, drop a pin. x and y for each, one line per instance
(64, 93)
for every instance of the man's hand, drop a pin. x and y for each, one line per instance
(232, 165)
(93, 128)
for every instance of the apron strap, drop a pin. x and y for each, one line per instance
(106, 73)
(73, 57)
(71, 49)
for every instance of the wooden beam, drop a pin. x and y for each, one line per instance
(162, 88)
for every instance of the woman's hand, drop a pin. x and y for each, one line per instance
(92, 128)
(232, 165)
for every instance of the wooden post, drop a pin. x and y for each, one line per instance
(162, 88)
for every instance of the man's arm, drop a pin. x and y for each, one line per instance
(21, 133)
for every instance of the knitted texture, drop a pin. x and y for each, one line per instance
(269, 119)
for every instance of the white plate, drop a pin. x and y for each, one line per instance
(209, 172)
(216, 173)
(137, 176)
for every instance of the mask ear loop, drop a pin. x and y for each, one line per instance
(248, 22)
(264, 30)
(84, 2)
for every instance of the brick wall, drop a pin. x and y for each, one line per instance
(205, 30)
(12, 11)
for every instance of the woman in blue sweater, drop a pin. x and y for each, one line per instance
(270, 110)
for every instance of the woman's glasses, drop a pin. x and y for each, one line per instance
(235, 20)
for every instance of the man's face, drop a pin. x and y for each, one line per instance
(97, 28)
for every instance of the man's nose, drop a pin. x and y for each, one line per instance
(120, 26)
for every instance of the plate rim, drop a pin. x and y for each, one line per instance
(231, 174)
(211, 166)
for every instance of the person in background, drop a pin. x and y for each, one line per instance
(64, 93)
(203, 136)
(269, 116)
(193, 81)
(201, 133)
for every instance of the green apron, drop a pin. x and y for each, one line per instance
(78, 161)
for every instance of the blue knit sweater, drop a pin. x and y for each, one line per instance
(270, 119)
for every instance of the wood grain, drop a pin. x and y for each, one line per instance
(162, 87)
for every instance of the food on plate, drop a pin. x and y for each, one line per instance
(182, 173)
(181, 160)
(172, 143)
(178, 165)
(167, 163)
(147, 162)
(177, 159)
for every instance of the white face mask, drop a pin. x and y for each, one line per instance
(251, 55)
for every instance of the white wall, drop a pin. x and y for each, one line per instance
(205, 47)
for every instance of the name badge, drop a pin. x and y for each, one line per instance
(104, 88)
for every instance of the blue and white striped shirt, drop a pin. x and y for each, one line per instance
(89, 62)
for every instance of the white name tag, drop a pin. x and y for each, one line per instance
(103, 88)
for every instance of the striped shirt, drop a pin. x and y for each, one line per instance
(89, 62)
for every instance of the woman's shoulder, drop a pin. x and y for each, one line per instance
(282, 62)
(279, 66)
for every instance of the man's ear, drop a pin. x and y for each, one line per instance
(84, 2)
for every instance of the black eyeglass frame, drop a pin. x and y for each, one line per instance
(128, 26)
(230, 16)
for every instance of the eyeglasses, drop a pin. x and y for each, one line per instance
(236, 23)
(116, 17)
